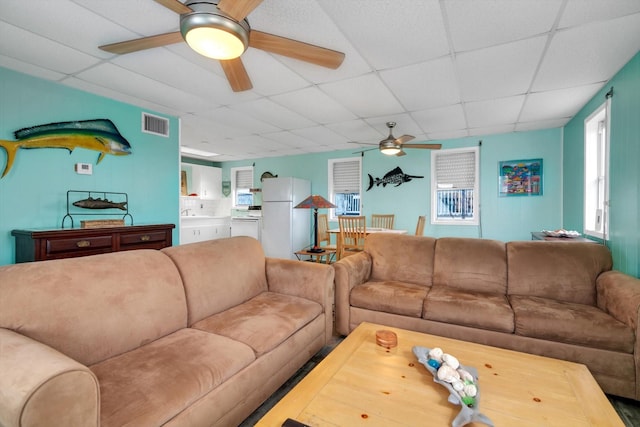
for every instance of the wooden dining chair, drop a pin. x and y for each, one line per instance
(420, 227)
(382, 221)
(323, 232)
(353, 230)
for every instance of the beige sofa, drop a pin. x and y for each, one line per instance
(557, 299)
(193, 335)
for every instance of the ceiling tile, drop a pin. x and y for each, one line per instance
(562, 103)
(31, 69)
(321, 135)
(142, 87)
(493, 112)
(33, 49)
(424, 85)
(441, 119)
(578, 12)
(491, 130)
(589, 53)
(542, 124)
(243, 123)
(314, 104)
(377, 35)
(364, 96)
(355, 130)
(478, 24)
(499, 71)
(268, 111)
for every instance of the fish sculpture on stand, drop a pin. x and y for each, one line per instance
(99, 203)
(394, 176)
(99, 135)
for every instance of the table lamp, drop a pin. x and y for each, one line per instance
(315, 202)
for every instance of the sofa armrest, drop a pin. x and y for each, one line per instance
(40, 384)
(351, 271)
(309, 280)
(619, 295)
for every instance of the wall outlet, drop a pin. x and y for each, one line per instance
(84, 168)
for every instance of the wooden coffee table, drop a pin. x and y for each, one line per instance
(362, 384)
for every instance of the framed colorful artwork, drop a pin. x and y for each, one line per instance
(520, 178)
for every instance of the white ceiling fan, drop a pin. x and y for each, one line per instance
(392, 146)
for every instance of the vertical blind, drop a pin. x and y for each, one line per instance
(346, 177)
(456, 170)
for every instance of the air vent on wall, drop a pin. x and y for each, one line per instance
(155, 125)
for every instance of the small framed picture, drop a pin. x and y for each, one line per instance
(520, 178)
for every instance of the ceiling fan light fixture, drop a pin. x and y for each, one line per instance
(212, 33)
(389, 148)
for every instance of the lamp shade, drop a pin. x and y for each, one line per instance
(315, 202)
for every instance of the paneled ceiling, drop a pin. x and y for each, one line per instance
(441, 69)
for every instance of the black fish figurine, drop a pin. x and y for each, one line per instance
(98, 203)
(394, 176)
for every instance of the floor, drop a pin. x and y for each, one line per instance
(628, 410)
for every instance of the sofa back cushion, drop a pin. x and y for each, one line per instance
(400, 258)
(478, 265)
(563, 271)
(95, 307)
(219, 274)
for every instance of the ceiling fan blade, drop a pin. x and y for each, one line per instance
(404, 138)
(428, 146)
(236, 74)
(175, 5)
(238, 9)
(143, 43)
(401, 153)
(296, 49)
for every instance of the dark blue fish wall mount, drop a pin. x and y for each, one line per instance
(99, 135)
(394, 176)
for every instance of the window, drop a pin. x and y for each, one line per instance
(344, 186)
(241, 183)
(596, 172)
(454, 186)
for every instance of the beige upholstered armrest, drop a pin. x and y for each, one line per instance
(41, 386)
(619, 295)
(350, 271)
(309, 280)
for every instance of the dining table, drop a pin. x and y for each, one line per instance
(369, 230)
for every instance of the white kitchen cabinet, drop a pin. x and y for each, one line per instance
(200, 228)
(206, 182)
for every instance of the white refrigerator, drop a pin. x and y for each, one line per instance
(285, 230)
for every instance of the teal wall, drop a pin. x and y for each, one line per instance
(502, 218)
(33, 193)
(624, 221)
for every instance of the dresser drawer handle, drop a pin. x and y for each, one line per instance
(145, 238)
(83, 244)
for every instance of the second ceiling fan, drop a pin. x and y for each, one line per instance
(393, 146)
(206, 25)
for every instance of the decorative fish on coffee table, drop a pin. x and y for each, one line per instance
(394, 176)
(99, 135)
(99, 203)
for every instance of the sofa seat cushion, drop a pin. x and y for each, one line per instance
(467, 308)
(151, 384)
(571, 323)
(390, 296)
(263, 322)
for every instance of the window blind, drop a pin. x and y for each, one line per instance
(456, 170)
(346, 177)
(244, 178)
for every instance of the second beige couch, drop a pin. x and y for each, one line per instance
(556, 299)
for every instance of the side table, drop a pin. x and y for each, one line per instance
(328, 254)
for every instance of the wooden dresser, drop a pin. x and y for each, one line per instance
(40, 245)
